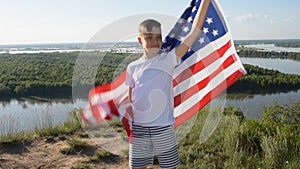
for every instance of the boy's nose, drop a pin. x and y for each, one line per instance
(155, 43)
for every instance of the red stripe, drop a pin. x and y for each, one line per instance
(200, 65)
(109, 86)
(105, 88)
(83, 117)
(96, 112)
(208, 97)
(125, 120)
(126, 126)
(199, 86)
(113, 108)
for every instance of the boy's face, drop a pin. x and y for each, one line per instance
(151, 40)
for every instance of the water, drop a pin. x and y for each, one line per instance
(282, 65)
(26, 115)
(272, 47)
(120, 47)
(253, 105)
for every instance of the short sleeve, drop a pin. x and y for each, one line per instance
(172, 58)
(129, 80)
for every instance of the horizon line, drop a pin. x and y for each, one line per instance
(45, 43)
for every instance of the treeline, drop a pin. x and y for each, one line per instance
(290, 43)
(36, 74)
(53, 74)
(259, 80)
(251, 53)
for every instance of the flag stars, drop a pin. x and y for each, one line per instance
(215, 32)
(166, 49)
(209, 20)
(194, 9)
(201, 40)
(185, 29)
(172, 35)
(205, 30)
(190, 19)
(181, 38)
(181, 21)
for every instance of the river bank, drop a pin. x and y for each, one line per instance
(63, 146)
(236, 142)
(46, 153)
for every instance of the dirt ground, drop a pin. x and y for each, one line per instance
(42, 153)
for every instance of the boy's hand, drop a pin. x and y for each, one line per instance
(195, 32)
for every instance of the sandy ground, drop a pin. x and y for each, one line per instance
(44, 153)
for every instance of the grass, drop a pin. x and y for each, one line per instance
(237, 142)
(71, 126)
(80, 166)
(8, 125)
(99, 155)
(271, 142)
(74, 146)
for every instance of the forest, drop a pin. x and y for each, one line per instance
(289, 43)
(52, 75)
(251, 53)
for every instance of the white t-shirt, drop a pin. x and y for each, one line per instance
(151, 81)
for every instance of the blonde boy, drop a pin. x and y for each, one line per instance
(151, 95)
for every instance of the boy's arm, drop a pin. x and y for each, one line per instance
(130, 94)
(196, 29)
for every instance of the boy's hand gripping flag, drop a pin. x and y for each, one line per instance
(209, 67)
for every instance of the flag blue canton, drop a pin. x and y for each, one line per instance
(214, 27)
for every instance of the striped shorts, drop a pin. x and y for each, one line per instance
(149, 141)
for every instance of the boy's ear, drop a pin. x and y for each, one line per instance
(139, 40)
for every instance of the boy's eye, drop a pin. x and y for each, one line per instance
(151, 37)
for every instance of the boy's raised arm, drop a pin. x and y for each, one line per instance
(196, 29)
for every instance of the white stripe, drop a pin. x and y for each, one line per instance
(197, 77)
(111, 94)
(89, 116)
(184, 106)
(122, 109)
(104, 109)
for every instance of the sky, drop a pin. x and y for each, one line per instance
(67, 21)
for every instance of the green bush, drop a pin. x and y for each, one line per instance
(270, 142)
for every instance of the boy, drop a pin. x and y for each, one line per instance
(151, 95)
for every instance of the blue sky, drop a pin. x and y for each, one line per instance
(52, 21)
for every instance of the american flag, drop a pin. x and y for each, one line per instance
(207, 69)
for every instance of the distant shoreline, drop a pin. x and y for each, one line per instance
(9, 45)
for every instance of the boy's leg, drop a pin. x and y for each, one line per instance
(140, 148)
(165, 146)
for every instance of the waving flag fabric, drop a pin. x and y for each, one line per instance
(209, 67)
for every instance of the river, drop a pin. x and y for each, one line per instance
(25, 114)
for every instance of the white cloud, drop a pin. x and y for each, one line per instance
(266, 16)
(287, 19)
(272, 21)
(245, 18)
